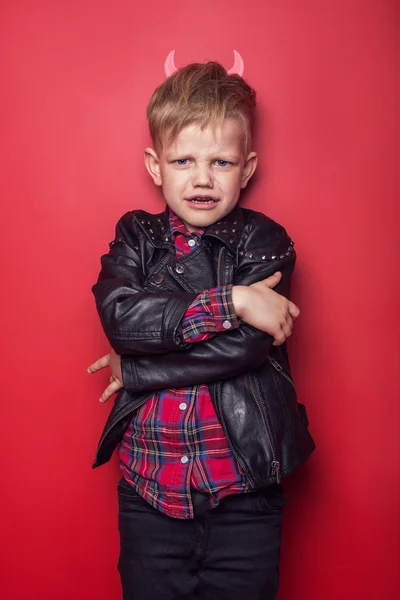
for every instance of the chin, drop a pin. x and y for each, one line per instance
(203, 221)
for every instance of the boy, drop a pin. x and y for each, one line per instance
(194, 302)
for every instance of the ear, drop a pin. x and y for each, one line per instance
(152, 163)
(250, 165)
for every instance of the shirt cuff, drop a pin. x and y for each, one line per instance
(222, 308)
(211, 312)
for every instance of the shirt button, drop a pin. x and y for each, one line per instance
(180, 269)
(184, 459)
(226, 324)
(183, 405)
(191, 243)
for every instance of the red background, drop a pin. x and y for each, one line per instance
(76, 82)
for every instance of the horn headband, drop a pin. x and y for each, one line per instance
(238, 65)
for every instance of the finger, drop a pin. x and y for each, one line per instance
(287, 330)
(110, 390)
(289, 323)
(102, 362)
(273, 280)
(111, 378)
(279, 338)
(293, 310)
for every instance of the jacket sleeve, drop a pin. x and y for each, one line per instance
(228, 353)
(135, 321)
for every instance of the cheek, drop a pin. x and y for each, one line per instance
(174, 180)
(231, 184)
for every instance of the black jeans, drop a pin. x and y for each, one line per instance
(230, 552)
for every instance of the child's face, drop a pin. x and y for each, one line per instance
(210, 166)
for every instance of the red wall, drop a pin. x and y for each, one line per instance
(76, 81)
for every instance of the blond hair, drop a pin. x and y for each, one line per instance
(200, 94)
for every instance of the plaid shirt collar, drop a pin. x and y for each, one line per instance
(157, 229)
(176, 227)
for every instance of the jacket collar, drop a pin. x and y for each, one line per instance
(156, 228)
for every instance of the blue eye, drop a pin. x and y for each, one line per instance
(182, 161)
(223, 163)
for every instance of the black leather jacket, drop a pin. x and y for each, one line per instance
(142, 294)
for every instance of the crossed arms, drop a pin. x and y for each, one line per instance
(145, 329)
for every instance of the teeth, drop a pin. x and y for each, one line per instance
(200, 200)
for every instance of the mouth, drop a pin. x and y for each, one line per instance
(202, 200)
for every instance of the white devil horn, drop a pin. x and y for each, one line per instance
(238, 65)
(169, 64)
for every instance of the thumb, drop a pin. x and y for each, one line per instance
(273, 280)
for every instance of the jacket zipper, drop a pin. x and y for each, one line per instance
(275, 464)
(121, 416)
(280, 370)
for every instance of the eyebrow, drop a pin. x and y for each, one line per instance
(181, 155)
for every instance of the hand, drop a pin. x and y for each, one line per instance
(260, 306)
(112, 360)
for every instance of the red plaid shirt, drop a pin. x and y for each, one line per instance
(175, 442)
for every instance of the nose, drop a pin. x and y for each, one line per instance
(202, 177)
